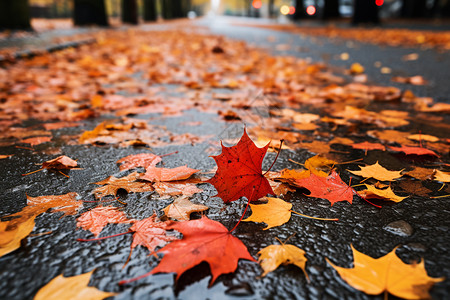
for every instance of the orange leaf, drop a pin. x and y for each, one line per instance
(96, 219)
(165, 174)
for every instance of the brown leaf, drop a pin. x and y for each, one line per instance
(182, 208)
(128, 183)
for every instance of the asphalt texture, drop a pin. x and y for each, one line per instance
(422, 233)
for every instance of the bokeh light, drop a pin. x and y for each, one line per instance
(284, 9)
(379, 2)
(257, 4)
(291, 10)
(311, 10)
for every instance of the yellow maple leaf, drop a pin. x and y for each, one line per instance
(274, 213)
(319, 164)
(378, 172)
(441, 176)
(387, 274)
(271, 257)
(385, 193)
(74, 287)
(12, 232)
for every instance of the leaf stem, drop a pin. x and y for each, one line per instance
(279, 151)
(175, 152)
(243, 214)
(104, 237)
(315, 218)
(443, 196)
(122, 282)
(32, 172)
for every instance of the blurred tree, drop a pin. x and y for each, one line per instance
(175, 8)
(150, 13)
(365, 11)
(414, 8)
(445, 8)
(271, 7)
(299, 10)
(129, 12)
(330, 9)
(89, 12)
(14, 14)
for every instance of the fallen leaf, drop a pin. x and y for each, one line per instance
(415, 188)
(33, 141)
(182, 208)
(374, 192)
(387, 274)
(167, 189)
(165, 174)
(150, 233)
(274, 213)
(143, 160)
(441, 176)
(423, 137)
(331, 187)
(67, 203)
(128, 183)
(420, 173)
(96, 219)
(369, 146)
(239, 172)
(12, 233)
(3, 156)
(414, 150)
(75, 287)
(60, 163)
(271, 257)
(376, 171)
(320, 165)
(203, 240)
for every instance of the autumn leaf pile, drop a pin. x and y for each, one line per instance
(343, 148)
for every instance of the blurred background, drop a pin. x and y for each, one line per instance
(18, 14)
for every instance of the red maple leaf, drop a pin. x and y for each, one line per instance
(239, 172)
(203, 240)
(331, 187)
(414, 150)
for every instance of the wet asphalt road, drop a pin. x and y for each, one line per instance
(42, 258)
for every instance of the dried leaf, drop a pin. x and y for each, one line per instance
(182, 208)
(128, 183)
